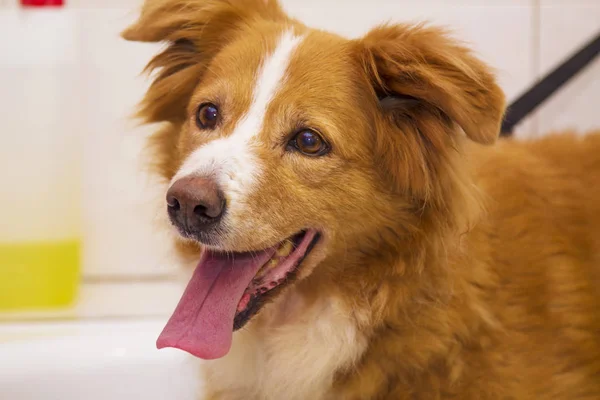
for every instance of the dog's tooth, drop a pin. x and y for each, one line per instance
(263, 271)
(285, 249)
(265, 268)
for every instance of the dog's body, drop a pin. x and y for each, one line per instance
(521, 318)
(424, 264)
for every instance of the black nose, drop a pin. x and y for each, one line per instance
(195, 204)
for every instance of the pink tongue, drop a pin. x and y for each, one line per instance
(202, 323)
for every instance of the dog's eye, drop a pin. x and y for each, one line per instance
(207, 116)
(310, 143)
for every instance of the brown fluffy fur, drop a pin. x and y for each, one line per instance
(449, 270)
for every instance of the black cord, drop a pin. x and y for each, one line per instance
(543, 89)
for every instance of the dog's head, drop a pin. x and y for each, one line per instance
(293, 152)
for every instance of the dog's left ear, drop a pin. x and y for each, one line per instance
(424, 63)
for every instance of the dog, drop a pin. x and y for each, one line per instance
(359, 231)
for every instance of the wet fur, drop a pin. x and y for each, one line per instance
(475, 274)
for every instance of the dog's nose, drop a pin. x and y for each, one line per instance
(195, 203)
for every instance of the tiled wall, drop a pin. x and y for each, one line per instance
(69, 83)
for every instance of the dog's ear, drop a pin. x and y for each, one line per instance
(195, 31)
(206, 22)
(425, 64)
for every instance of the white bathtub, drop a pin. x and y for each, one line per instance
(107, 360)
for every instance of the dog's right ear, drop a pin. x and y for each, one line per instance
(195, 30)
(206, 22)
(426, 64)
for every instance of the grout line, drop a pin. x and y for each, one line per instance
(536, 47)
(128, 279)
(37, 319)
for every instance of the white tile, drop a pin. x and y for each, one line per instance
(104, 4)
(565, 27)
(120, 203)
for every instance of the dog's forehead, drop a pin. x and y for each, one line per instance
(307, 79)
(320, 74)
(319, 65)
(289, 64)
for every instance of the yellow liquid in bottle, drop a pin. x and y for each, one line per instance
(41, 275)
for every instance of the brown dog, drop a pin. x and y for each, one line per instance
(348, 212)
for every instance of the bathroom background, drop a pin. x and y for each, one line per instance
(71, 168)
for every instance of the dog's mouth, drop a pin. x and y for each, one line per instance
(227, 289)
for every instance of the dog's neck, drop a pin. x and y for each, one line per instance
(425, 308)
(310, 343)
